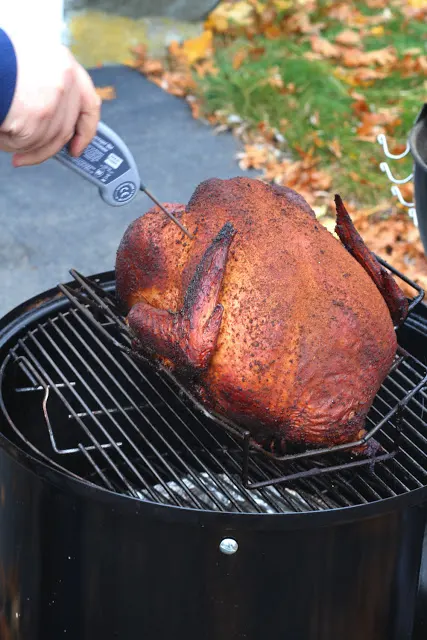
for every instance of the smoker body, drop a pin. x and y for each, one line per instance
(83, 564)
(418, 148)
(80, 562)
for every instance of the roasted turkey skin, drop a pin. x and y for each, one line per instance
(264, 316)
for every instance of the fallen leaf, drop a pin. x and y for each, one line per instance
(283, 5)
(373, 123)
(310, 55)
(324, 47)
(275, 79)
(335, 147)
(195, 107)
(177, 56)
(253, 157)
(382, 57)
(198, 48)
(239, 57)
(206, 68)
(359, 97)
(152, 66)
(346, 14)
(229, 13)
(362, 76)
(348, 37)
(272, 32)
(299, 22)
(413, 64)
(377, 4)
(106, 93)
(266, 17)
(378, 30)
(320, 180)
(360, 107)
(255, 53)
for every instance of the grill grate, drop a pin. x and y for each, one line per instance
(102, 415)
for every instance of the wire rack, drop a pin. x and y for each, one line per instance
(132, 428)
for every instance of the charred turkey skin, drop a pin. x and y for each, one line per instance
(264, 316)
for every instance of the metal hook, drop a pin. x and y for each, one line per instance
(386, 169)
(382, 140)
(396, 192)
(413, 215)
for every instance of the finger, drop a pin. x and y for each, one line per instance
(60, 134)
(90, 112)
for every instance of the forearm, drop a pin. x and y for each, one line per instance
(8, 74)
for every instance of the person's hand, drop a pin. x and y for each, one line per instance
(55, 102)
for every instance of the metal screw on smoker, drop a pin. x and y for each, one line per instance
(228, 546)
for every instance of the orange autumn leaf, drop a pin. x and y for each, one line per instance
(198, 48)
(382, 57)
(206, 68)
(255, 53)
(345, 13)
(377, 4)
(176, 52)
(299, 22)
(310, 55)
(253, 157)
(335, 147)
(324, 47)
(354, 57)
(362, 76)
(412, 64)
(152, 66)
(237, 12)
(239, 58)
(195, 107)
(373, 123)
(348, 37)
(272, 32)
(106, 93)
(360, 107)
(320, 180)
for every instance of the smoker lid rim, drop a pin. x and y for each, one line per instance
(17, 320)
(18, 317)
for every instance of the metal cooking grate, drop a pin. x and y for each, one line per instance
(99, 414)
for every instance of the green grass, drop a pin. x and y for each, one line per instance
(245, 92)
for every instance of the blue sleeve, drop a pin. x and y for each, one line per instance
(8, 73)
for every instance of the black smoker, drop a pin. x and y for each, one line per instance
(126, 512)
(418, 148)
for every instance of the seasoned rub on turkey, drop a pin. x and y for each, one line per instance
(264, 316)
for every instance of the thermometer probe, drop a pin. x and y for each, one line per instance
(108, 163)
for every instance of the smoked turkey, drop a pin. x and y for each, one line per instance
(264, 316)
